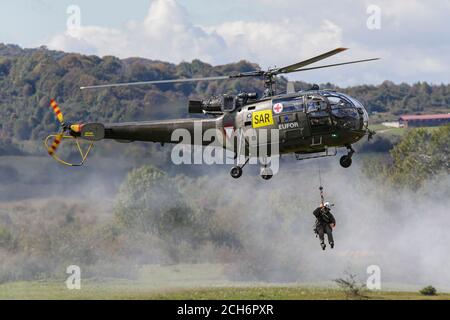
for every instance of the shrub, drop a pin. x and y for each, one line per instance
(351, 288)
(428, 291)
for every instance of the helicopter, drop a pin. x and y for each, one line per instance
(311, 123)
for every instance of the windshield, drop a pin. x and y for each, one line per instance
(347, 113)
(359, 106)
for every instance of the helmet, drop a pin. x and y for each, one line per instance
(327, 205)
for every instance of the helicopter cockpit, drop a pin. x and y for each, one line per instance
(347, 113)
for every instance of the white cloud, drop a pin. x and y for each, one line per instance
(280, 42)
(91, 40)
(412, 40)
(166, 34)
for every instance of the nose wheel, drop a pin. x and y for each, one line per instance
(346, 161)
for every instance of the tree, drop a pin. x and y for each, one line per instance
(141, 198)
(421, 155)
(168, 208)
(29, 78)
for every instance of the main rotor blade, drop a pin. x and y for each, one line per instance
(303, 63)
(156, 82)
(333, 65)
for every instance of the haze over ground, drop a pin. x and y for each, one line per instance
(402, 231)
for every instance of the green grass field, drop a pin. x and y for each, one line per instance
(383, 130)
(127, 290)
(188, 282)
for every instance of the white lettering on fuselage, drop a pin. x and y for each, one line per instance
(290, 125)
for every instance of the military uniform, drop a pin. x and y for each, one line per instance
(324, 220)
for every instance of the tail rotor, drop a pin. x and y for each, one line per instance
(67, 131)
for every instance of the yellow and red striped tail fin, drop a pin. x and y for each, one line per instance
(57, 111)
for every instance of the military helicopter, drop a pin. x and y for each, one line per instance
(310, 124)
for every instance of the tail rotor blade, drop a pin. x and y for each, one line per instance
(55, 144)
(57, 111)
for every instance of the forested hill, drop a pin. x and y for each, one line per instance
(29, 78)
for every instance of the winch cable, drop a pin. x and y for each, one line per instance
(320, 184)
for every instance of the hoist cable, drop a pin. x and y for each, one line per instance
(320, 184)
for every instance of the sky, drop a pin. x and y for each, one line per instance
(412, 37)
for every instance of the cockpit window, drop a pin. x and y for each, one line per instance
(359, 106)
(333, 109)
(353, 100)
(317, 108)
(344, 111)
(316, 104)
(338, 102)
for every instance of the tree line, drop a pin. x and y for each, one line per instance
(29, 78)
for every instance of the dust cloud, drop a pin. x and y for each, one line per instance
(405, 233)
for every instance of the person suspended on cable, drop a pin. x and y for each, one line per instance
(325, 222)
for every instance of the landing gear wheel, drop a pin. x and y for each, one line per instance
(345, 161)
(236, 172)
(266, 173)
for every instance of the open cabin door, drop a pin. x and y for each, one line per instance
(318, 111)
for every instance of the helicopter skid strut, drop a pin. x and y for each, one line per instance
(236, 171)
(266, 173)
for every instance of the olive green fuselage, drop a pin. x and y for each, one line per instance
(305, 122)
